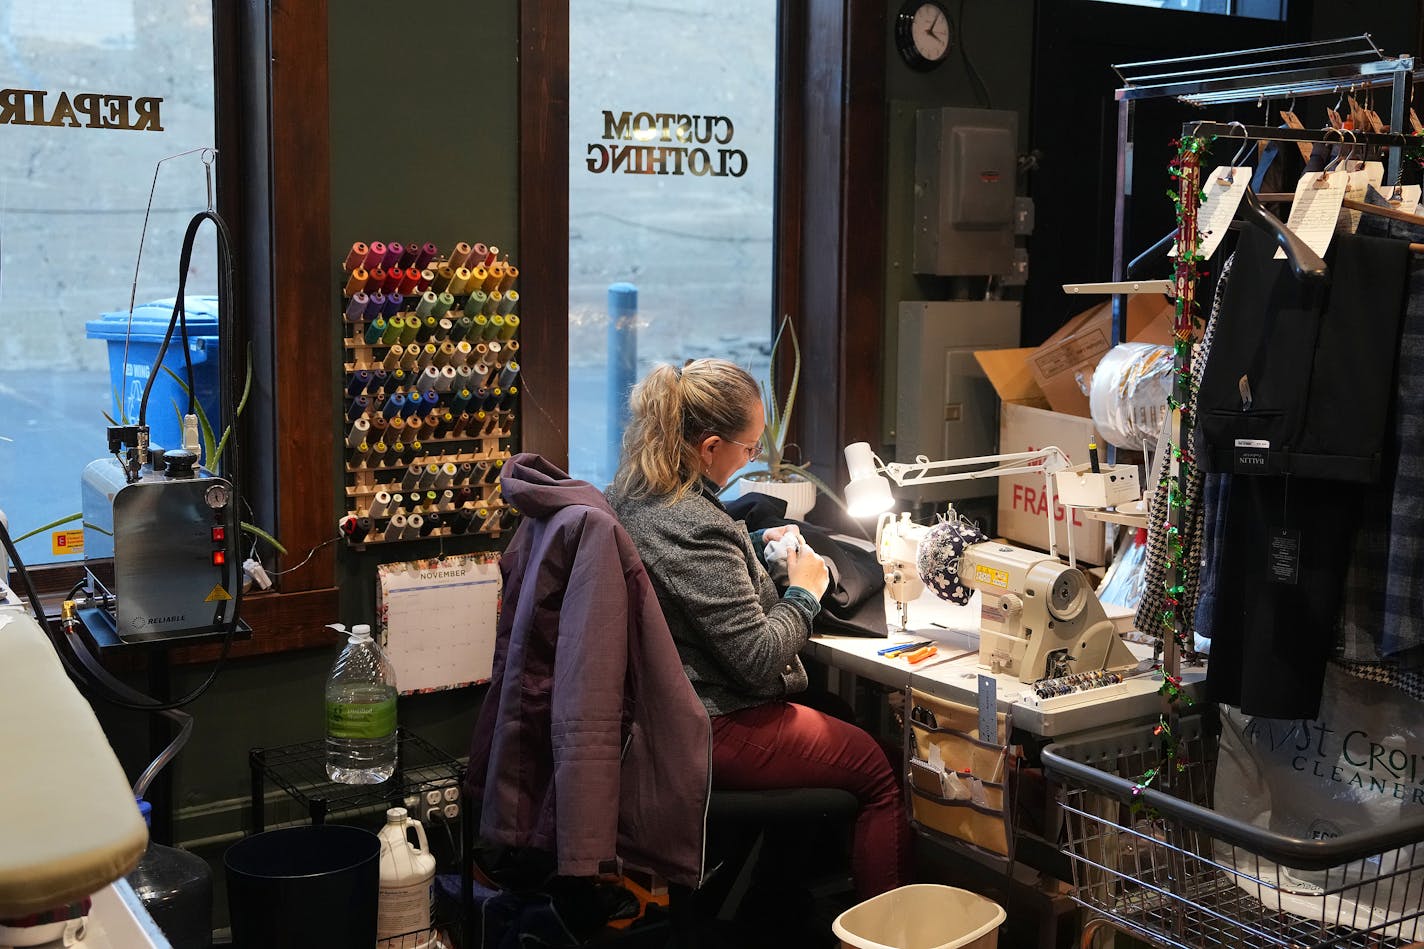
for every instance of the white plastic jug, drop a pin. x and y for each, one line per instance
(407, 880)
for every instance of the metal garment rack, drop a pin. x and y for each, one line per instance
(1296, 70)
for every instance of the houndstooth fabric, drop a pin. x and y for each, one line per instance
(1150, 610)
(1411, 683)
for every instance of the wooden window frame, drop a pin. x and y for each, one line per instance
(274, 185)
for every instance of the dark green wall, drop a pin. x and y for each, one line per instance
(998, 39)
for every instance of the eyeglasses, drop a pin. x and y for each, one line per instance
(753, 451)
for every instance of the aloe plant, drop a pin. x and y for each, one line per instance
(213, 448)
(778, 420)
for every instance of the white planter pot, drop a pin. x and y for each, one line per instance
(799, 494)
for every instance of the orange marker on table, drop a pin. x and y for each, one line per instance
(920, 655)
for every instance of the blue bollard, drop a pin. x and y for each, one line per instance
(622, 364)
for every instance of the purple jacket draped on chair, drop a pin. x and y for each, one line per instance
(591, 742)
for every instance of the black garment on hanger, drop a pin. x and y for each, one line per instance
(1319, 367)
(1301, 376)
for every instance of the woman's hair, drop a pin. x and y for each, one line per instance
(673, 410)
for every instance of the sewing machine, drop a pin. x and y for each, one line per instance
(1039, 618)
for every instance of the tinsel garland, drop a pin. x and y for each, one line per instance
(1187, 199)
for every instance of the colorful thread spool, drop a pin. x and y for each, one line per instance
(410, 279)
(393, 406)
(391, 284)
(395, 303)
(357, 281)
(357, 408)
(443, 304)
(395, 326)
(356, 306)
(358, 432)
(426, 306)
(496, 276)
(428, 252)
(355, 257)
(506, 283)
(506, 305)
(375, 330)
(375, 254)
(459, 254)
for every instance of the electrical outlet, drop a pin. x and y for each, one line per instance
(452, 811)
(452, 793)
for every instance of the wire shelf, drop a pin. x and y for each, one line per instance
(1161, 873)
(300, 770)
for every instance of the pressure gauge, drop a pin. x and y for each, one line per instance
(218, 496)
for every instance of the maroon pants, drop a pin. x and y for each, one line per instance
(783, 745)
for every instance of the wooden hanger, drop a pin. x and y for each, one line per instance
(1361, 206)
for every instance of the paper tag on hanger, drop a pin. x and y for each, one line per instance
(1220, 200)
(1293, 121)
(1284, 557)
(1334, 117)
(1414, 122)
(1361, 179)
(1357, 114)
(1376, 123)
(1408, 199)
(1316, 209)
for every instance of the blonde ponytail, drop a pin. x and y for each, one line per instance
(673, 410)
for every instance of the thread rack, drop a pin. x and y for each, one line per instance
(430, 390)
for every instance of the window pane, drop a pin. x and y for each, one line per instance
(94, 94)
(1257, 9)
(672, 122)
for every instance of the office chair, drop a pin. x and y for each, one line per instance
(565, 535)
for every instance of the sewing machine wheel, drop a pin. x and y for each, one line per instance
(1068, 595)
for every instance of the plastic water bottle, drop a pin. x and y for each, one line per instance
(407, 884)
(361, 712)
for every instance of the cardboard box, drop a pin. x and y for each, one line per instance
(1063, 366)
(1023, 505)
(1044, 402)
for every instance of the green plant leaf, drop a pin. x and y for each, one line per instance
(241, 404)
(210, 452)
(52, 524)
(258, 532)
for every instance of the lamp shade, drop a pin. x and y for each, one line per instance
(868, 493)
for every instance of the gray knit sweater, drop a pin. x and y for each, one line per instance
(737, 637)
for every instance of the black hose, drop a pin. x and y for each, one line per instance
(180, 314)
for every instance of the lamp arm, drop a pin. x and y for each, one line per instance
(1044, 461)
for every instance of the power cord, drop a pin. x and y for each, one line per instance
(981, 89)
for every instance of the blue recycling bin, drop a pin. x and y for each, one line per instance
(150, 321)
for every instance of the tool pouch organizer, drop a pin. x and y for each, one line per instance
(959, 783)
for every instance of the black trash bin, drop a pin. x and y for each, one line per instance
(302, 887)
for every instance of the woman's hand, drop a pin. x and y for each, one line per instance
(777, 533)
(806, 569)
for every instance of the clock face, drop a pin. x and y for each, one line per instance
(923, 34)
(929, 30)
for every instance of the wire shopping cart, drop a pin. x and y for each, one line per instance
(1164, 867)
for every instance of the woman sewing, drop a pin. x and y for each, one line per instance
(691, 429)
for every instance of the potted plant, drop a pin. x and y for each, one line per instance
(779, 477)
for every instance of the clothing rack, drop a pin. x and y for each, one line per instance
(1187, 236)
(1294, 70)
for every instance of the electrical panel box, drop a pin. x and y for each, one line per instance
(944, 406)
(966, 167)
